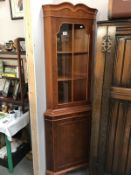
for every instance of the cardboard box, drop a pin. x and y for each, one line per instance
(119, 9)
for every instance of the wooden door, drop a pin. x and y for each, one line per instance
(111, 132)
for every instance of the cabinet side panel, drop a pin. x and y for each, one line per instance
(49, 144)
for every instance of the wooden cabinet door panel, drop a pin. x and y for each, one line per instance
(112, 154)
(119, 118)
(122, 62)
(118, 142)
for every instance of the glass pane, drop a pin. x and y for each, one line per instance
(80, 68)
(64, 38)
(64, 91)
(81, 38)
(79, 90)
(64, 66)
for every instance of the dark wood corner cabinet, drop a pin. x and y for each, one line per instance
(111, 119)
(69, 39)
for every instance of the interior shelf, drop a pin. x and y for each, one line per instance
(63, 78)
(11, 56)
(10, 78)
(72, 78)
(80, 77)
(7, 58)
(69, 53)
(10, 100)
(64, 52)
(82, 52)
(12, 53)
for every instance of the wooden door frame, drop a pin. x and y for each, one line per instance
(32, 88)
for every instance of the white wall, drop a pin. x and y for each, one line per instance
(101, 5)
(9, 29)
(39, 63)
(40, 83)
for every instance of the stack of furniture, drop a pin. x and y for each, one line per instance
(15, 87)
(14, 100)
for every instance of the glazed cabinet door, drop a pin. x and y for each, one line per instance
(72, 63)
(113, 155)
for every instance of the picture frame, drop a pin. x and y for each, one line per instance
(16, 90)
(11, 69)
(16, 9)
(22, 46)
(6, 87)
(2, 82)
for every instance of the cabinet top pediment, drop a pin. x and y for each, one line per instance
(69, 10)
